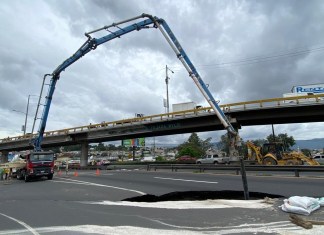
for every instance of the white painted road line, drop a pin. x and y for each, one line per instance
(273, 228)
(30, 229)
(94, 184)
(184, 205)
(196, 181)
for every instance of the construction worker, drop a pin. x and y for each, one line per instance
(6, 172)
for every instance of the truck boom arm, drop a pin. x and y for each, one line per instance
(92, 43)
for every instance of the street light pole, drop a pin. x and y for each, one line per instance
(26, 115)
(24, 128)
(167, 85)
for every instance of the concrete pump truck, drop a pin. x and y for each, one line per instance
(115, 30)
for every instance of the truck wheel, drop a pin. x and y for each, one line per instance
(19, 175)
(290, 163)
(269, 161)
(26, 178)
(49, 177)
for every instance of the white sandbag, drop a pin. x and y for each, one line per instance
(300, 205)
(293, 209)
(321, 201)
(304, 202)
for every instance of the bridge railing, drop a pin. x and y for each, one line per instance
(286, 101)
(257, 104)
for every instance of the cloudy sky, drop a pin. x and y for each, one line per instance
(245, 50)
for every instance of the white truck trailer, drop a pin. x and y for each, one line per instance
(183, 106)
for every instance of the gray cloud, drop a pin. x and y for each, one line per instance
(244, 50)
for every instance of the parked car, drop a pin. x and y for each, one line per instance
(74, 162)
(148, 159)
(319, 158)
(186, 159)
(213, 159)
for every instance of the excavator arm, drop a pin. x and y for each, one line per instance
(254, 152)
(92, 43)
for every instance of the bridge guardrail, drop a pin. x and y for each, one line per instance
(289, 101)
(202, 167)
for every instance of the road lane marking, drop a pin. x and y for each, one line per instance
(184, 205)
(30, 229)
(88, 173)
(276, 227)
(196, 181)
(235, 228)
(94, 184)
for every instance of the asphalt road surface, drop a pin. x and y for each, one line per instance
(90, 203)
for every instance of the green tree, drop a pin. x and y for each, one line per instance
(194, 146)
(111, 147)
(259, 142)
(100, 147)
(288, 141)
(306, 152)
(160, 159)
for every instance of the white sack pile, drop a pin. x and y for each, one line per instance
(302, 205)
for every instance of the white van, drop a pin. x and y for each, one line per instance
(319, 158)
(148, 159)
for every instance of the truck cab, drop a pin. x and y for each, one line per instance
(38, 164)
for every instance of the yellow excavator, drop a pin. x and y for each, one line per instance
(274, 154)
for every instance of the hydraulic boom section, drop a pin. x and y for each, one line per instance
(92, 43)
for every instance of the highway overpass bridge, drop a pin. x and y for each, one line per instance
(260, 112)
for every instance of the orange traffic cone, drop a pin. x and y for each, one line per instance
(59, 173)
(97, 172)
(76, 174)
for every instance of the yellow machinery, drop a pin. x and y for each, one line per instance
(274, 154)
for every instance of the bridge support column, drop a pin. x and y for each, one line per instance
(4, 157)
(84, 154)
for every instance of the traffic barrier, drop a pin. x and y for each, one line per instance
(202, 167)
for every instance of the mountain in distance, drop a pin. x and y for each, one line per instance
(317, 143)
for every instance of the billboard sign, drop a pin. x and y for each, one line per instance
(138, 142)
(315, 89)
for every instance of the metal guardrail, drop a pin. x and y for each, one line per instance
(266, 103)
(236, 168)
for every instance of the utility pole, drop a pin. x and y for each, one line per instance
(26, 114)
(154, 147)
(167, 86)
(273, 134)
(25, 127)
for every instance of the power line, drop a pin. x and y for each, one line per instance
(258, 59)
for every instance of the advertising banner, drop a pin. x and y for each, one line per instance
(315, 89)
(138, 142)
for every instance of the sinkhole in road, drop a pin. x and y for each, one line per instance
(201, 195)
